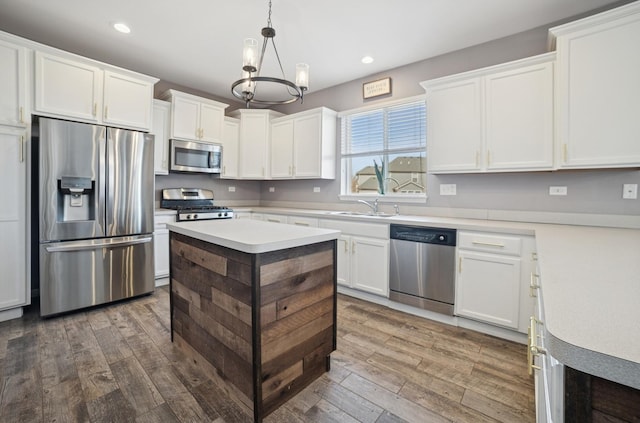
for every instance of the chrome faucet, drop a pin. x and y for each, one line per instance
(373, 207)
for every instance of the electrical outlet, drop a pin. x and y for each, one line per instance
(630, 191)
(447, 189)
(272, 189)
(232, 189)
(557, 190)
(316, 189)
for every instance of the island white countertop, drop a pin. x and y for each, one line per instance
(252, 236)
(590, 279)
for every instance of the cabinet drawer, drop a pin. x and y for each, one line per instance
(311, 222)
(493, 243)
(372, 230)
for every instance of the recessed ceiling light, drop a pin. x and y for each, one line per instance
(367, 59)
(122, 27)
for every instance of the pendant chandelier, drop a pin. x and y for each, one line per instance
(246, 88)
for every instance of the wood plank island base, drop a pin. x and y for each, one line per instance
(254, 304)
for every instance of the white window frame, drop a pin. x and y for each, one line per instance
(345, 179)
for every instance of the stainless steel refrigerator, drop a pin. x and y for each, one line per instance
(94, 214)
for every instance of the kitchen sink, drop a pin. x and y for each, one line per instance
(364, 214)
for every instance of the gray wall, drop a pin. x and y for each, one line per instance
(589, 191)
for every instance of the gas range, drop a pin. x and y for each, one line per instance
(193, 204)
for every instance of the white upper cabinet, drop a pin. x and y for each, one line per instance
(303, 145)
(495, 119)
(598, 90)
(255, 143)
(282, 148)
(68, 87)
(160, 130)
(519, 118)
(230, 141)
(454, 126)
(195, 118)
(128, 101)
(13, 74)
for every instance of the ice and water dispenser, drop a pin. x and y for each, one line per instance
(76, 199)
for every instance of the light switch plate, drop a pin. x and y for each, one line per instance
(447, 189)
(316, 189)
(630, 191)
(557, 190)
(272, 189)
(232, 189)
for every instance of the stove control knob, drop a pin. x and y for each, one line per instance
(225, 214)
(219, 214)
(195, 216)
(188, 216)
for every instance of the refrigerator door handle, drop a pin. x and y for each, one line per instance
(97, 244)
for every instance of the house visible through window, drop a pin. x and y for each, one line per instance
(384, 150)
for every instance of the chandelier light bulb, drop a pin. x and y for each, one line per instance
(302, 76)
(250, 55)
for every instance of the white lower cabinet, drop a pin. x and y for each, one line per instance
(363, 255)
(13, 216)
(161, 245)
(493, 278)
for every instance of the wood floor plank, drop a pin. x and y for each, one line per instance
(135, 385)
(64, 402)
(112, 407)
(452, 410)
(113, 345)
(354, 405)
(21, 397)
(325, 412)
(161, 413)
(498, 410)
(390, 401)
(391, 382)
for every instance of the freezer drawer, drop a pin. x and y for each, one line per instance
(80, 274)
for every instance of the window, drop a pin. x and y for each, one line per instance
(391, 139)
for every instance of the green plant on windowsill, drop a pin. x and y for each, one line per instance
(379, 176)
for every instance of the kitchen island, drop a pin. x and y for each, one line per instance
(254, 304)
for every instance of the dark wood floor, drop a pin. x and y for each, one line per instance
(117, 364)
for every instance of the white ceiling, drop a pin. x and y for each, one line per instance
(198, 43)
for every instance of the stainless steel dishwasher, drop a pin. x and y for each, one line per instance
(422, 267)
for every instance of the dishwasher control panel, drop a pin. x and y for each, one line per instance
(423, 234)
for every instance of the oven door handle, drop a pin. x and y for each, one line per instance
(211, 159)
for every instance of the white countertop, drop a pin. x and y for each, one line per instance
(590, 280)
(252, 236)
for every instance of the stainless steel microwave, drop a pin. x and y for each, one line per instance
(192, 156)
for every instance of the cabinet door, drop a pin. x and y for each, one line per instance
(230, 140)
(599, 95)
(13, 215)
(12, 84)
(488, 288)
(128, 101)
(160, 129)
(254, 145)
(370, 265)
(66, 88)
(161, 252)
(308, 146)
(185, 119)
(211, 123)
(282, 137)
(519, 118)
(454, 127)
(344, 260)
